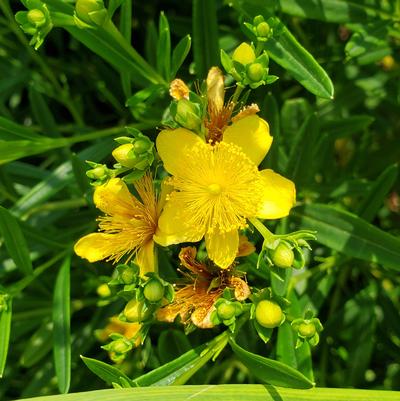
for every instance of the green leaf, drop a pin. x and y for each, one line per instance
(227, 392)
(38, 345)
(347, 233)
(181, 369)
(285, 50)
(375, 197)
(14, 241)
(299, 166)
(338, 128)
(343, 11)
(5, 329)
(205, 36)
(179, 54)
(164, 48)
(61, 321)
(106, 372)
(125, 26)
(172, 343)
(271, 371)
(10, 131)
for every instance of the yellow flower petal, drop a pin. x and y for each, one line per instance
(114, 198)
(215, 88)
(279, 196)
(174, 146)
(145, 258)
(252, 135)
(94, 247)
(222, 247)
(171, 228)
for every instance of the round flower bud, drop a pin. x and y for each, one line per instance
(307, 330)
(36, 17)
(141, 145)
(226, 310)
(128, 275)
(121, 346)
(97, 173)
(186, 114)
(268, 314)
(123, 155)
(263, 29)
(135, 311)
(153, 290)
(255, 72)
(282, 256)
(84, 7)
(258, 19)
(244, 54)
(103, 290)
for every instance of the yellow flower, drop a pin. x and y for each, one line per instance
(127, 227)
(217, 188)
(128, 330)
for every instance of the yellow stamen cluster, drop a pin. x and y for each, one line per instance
(218, 188)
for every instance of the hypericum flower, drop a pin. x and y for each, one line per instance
(194, 302)
(128, 330)
(127, 227)
(216, 188)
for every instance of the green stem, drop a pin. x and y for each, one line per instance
(237, 93)
(259, 48)
(268, 235)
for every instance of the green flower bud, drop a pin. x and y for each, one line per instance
(91, 11)
(186, 114)
(125, 156)
(128, 275)
(244, 54)
(103, 291)
(226, 310)
(36, 17)
(153, 290)
(268, 314)
(307, 329)
(136, 311)
(258, 20)
(121, 346)
(142, 145)
(282, 256)
(263, 29)
(255, 72)
(97, 173)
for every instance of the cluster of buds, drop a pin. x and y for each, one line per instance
(248, 68)
(134, 157)
(307, 329)
(260, 30)
(99, 173)
(36, 21)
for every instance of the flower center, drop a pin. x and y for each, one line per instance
(214, 189)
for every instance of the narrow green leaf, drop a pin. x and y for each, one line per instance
(285, 50)
(285, 351)
(5, 329)
(110, 374)
(344, 11)
(347, 233)
(181, 369)
(42, 113)
(61, 321)
(205, 36)
(10, 131)
(164, 47)
(299, 166)
(38, 346)
(125, 25)
(375, 197)
(271, 371)
(227, 392)
(179, 54)
(14, 241)
(172, 343)
(339, 128)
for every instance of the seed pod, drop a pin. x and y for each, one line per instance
(153, 290)
(282, 256)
